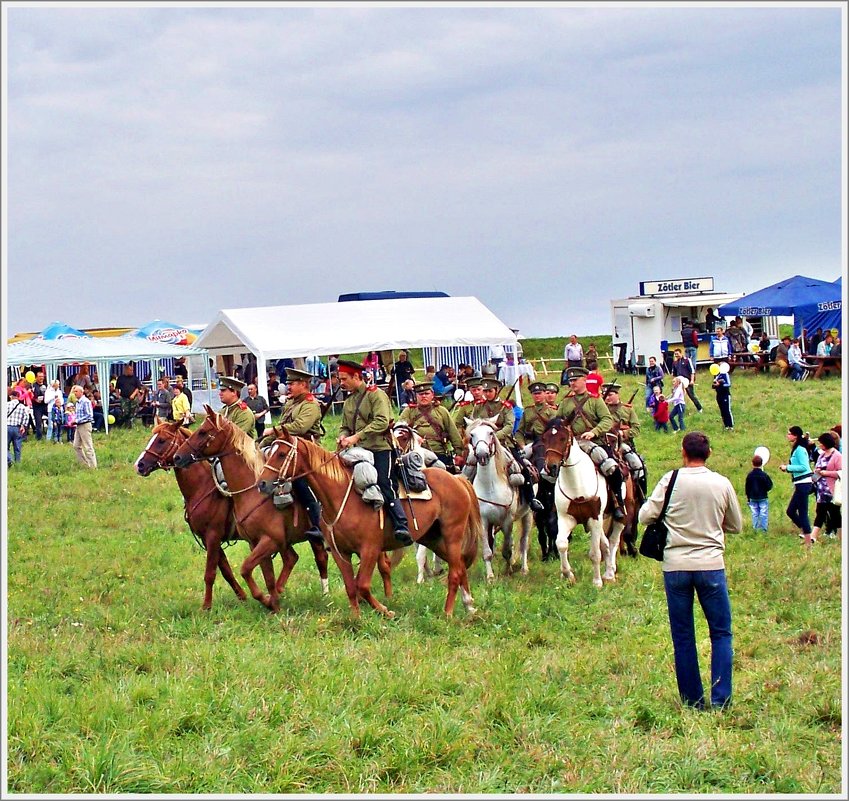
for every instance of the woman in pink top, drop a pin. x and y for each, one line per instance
(829, 464)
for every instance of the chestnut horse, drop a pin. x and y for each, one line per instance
(448, 523)
(581, 496)
(266, 528)
(208, 513)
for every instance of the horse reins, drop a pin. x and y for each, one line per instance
(563, 463)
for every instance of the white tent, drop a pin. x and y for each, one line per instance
(100, 351)
(321, 329)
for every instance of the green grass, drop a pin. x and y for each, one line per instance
(118, 683)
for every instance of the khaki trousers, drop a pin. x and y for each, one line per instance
(84, 446)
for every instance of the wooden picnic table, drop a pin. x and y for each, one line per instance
(824, 363)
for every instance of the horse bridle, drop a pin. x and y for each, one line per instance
(160, 460)
(564, 454)
(493, 442)
(292, 458)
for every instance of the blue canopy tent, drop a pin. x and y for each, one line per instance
(794, 297)
(826, 313)
(57, 330)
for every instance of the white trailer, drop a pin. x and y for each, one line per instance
(650, 325)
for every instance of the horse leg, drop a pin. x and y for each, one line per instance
(524, 541)
(368, 560)
(466, 594)
(615, 534)
(213, 558)
(596, 534)
(229, 577)
(289, 558)
(421, 561)
(319, 552)
(488, 541)
(260, 553)
(507, 544)
(564, 529)
(385, 570)
(348, 579)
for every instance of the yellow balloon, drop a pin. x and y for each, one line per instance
(714, 369)
(754, 347)
(30, 376)
(835, 332)
(111, 419)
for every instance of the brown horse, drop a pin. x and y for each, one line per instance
(208, 513)
(448, 523)
(266, 528)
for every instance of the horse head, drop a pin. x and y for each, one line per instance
(160, 449)
(280, 461)
(482, 440)
(557, 441)
(208, 441)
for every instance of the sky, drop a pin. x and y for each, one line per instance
(168, 162)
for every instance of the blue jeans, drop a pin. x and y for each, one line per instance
(760, 514)
(677, 413)
(690, 353)
(796, 371)
(14, 439)
(797, 510)
(712, 591)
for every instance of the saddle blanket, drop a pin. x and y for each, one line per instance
(426, 495)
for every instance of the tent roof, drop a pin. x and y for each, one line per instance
(783, 298)
(319, 329)
(702, 299)
(92, 349)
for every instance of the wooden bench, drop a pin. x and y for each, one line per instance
(746, 364)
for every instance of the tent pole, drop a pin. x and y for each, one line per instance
(262, 384)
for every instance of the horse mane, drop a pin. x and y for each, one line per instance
(316, 457)
(172, 428)
(245, 446)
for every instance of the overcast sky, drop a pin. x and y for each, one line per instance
(169, 162)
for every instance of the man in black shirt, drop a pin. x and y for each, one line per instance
(681, 366)
(130, 389)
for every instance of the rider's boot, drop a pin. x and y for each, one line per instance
(614, 481)
(399, 522)
(313, 533)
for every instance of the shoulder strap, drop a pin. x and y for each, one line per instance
(668, 495)
(438, 429)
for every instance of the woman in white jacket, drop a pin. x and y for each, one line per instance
(50, 394)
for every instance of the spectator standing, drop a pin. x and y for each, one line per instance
(496, 357)
(812, 344)
(661, 414)
(573, 353)
(651, 403)
(746, 327)
(275, 404)
(720, 347)
(162, 398)
(39, 404)
(677, 404)
(57, 418)
(702, 508)
(690, 341)
(758, 487)
(50, 394)
(683, 367)
(591, 356)
(180, 369)
(371, 362)
(799, 468)
(83, 444)
(259, 407)
(722, 388)
(402, 371)
(18, 419)
(828, 466)
(710, 320)
(764, 347)
(179, 381)
(130, 389)
(70, 424)
(594, 379)
(654, 377)
(180, 408)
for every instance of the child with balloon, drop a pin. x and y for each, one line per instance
(722, 386)
(758, 486)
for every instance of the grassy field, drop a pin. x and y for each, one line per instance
(118, 683)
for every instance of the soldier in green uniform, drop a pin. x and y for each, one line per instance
(590, 420)
(235, 410)
(301, 417)
(493, 406)
(627, 423)
(551, 390)
(435, 426)
(466, 408)
(366, 420)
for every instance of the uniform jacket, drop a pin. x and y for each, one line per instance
(533, 423)
(367, 412)
(240, 416)
(435, 440)
(596, 416)
(302, 417)
(625, 415)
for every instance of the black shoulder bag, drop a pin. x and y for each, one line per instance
(654, 537)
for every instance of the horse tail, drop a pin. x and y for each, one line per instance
(474, 527)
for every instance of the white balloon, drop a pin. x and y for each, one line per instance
(763, 452)
(724, 367)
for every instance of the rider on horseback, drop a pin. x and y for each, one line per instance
(590, 420)
(301, 417)
(530, 428)
(626, 426)
(434, 425)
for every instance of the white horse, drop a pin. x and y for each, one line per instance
(500, 502)
(581, 496)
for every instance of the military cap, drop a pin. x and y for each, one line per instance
(474, 381)
(537, 386)
(491, 383)
(347, 366)
(297, 375)
(552, 387)
(228, 382)
(424, 386)
(611, 386)
(576, 372)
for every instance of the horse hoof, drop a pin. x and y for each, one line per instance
(389, 614)
(598, 583)
(472, 610)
